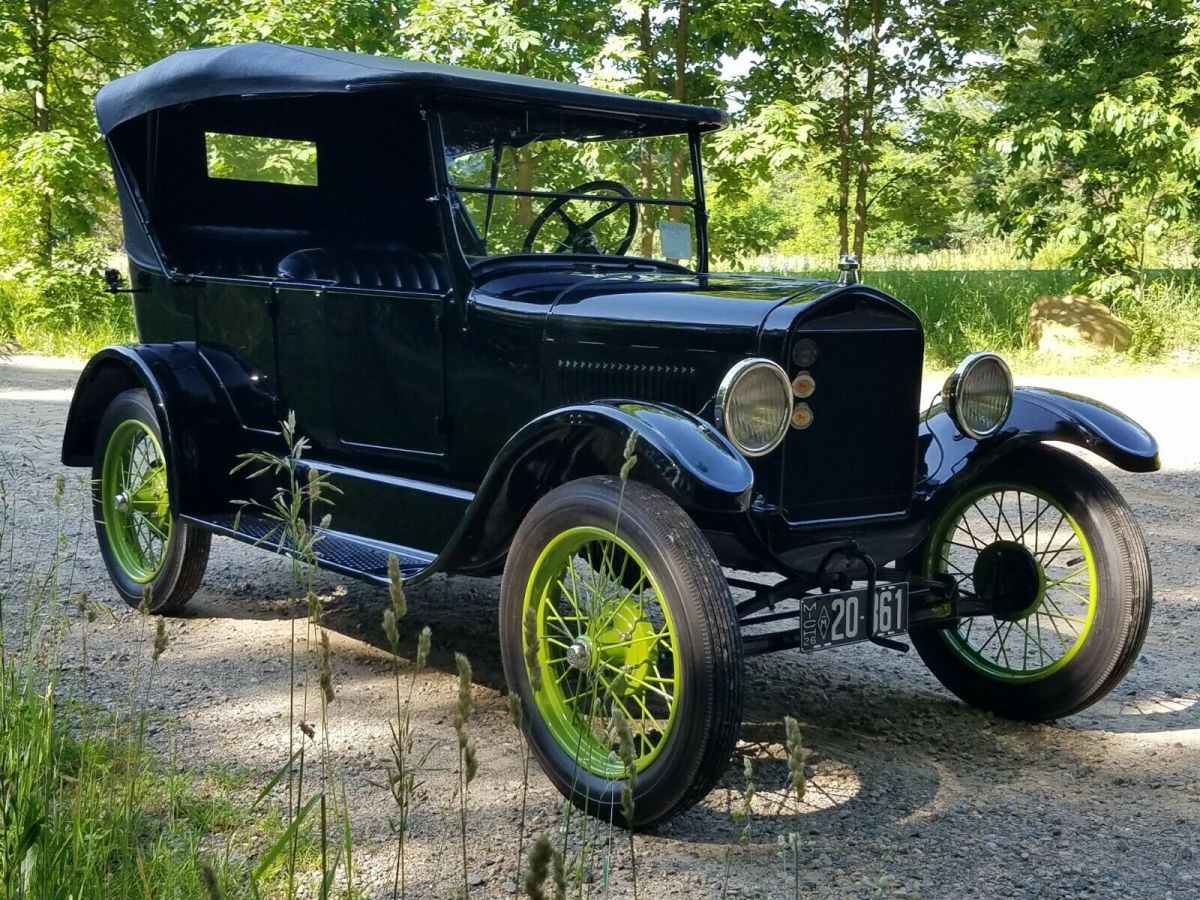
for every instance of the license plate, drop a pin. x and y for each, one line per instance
(829, 620)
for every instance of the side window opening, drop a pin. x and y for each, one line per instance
(244, 157)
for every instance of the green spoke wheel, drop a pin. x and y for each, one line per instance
(606, 641)
(613, 602)
(147, 552)
(1051, 548)
(133, 495)
(1020, 550)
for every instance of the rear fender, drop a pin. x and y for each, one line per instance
(951, 461)
(677, 452)
(201, 434)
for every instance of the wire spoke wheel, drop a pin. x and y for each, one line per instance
(606, 641)
(613, 606)
(150, 555)
(1020, 550)
(1053, 554)
(134, 500)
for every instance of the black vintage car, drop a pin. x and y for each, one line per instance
(486, 300)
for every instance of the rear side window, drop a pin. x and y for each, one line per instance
(245, 157)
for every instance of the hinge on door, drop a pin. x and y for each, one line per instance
(442, 424)
(273, 305)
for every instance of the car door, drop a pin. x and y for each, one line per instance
(386, 371)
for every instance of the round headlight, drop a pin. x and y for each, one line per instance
(979, 395)
(754, 406)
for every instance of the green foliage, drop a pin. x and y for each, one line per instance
(74, 318)
(1072, 130)
(1098, 125)
(248, 158)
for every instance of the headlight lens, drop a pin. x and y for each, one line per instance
(754, 406)
(979, 395)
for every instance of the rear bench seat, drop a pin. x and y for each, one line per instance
(223, 252)
(390, 268)
(272, 253)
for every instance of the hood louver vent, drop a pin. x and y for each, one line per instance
(581, 381)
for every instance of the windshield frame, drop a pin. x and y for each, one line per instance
(447, 190)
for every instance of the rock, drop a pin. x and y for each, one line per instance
(1073, 325)
(476, 879)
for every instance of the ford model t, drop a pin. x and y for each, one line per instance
(486, 299)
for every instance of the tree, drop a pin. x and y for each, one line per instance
(1098, 122)
(867, 68)
(54, 179)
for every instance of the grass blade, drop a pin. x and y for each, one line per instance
(285, 839)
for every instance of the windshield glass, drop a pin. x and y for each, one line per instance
(542, 181)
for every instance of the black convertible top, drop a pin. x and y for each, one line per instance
(264, 70)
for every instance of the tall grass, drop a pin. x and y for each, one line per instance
(966, 311)
(296, 500)
(86, 810)
(40, 325)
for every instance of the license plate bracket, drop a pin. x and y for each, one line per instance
(840, 617)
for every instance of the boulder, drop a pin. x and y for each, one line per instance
(1074, 325)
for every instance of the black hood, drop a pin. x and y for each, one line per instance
(701, 311)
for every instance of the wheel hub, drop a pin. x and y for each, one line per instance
(121, 502)
(1009, 577)
(579, 654)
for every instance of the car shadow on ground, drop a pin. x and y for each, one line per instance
(887, 746)
(847, 786)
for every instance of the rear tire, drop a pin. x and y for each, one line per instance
(147, 551)
(1089, 607)
(664, 646)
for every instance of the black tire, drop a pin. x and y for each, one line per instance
(697, 748)
(186, 553)
(1119, 591)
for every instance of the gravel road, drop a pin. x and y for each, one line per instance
(910, 792)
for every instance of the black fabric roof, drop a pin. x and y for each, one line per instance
(263, 69)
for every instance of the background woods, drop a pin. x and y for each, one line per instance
(1051, 135)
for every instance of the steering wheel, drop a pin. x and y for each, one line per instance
(580, 237)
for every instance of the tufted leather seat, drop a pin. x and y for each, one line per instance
(393, 268)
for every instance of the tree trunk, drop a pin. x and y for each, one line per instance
(844, 140)
(524, 155)
(646, 45)
(866, 144)
(682, 33)
(524, 183)
(39, 40)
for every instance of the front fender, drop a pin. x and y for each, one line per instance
(677, 452)
(201, 435)
(952, 460)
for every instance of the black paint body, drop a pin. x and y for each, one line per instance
(443, 397)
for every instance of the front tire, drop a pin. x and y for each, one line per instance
(628, 609)
(149, 554)
(1052, 545)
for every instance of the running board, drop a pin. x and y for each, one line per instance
(346, 554)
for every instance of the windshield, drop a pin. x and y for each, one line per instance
(543, 181)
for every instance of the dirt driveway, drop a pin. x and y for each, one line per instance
(910, 791)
